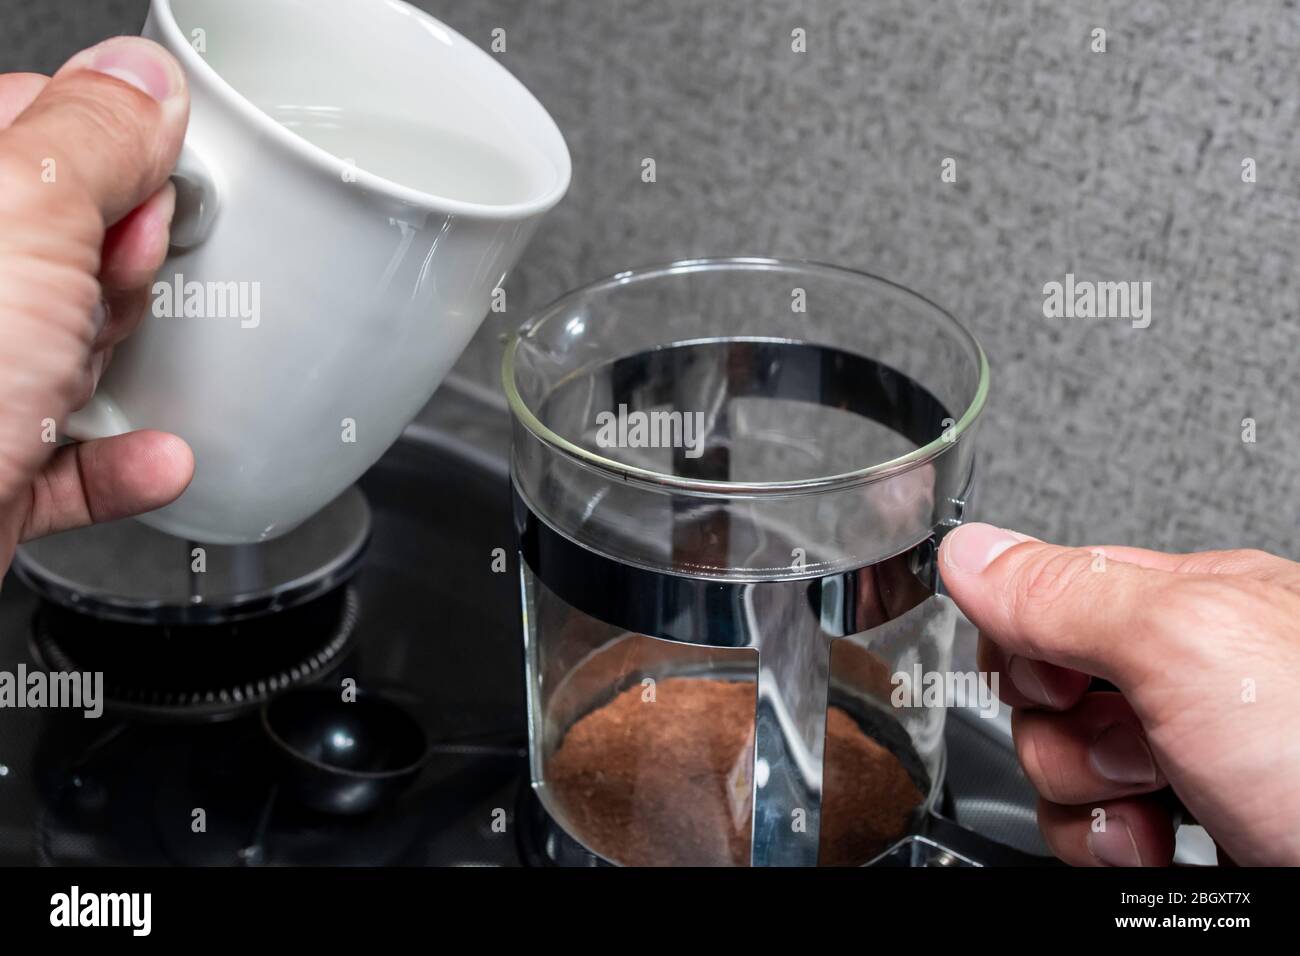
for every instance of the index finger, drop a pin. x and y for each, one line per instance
(1061, 605)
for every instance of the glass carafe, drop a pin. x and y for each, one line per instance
(730, 479)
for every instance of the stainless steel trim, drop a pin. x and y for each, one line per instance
(790, 623)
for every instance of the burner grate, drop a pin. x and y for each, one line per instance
(199, 672)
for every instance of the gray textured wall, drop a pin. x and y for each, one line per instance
(1123, 165)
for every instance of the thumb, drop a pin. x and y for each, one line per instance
(105, 132)
(1068, 606)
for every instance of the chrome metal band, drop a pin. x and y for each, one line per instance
(715, 612)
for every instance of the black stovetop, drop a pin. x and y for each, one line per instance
(439, 631)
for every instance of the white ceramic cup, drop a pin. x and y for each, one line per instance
(357, 179)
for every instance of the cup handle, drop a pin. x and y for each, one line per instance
(98, 418)
(196, 200)
(196, 211)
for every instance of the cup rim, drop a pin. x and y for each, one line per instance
(198, 69)
(630, 473)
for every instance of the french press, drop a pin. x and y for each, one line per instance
(732, 471)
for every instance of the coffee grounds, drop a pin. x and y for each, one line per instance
(666, 782)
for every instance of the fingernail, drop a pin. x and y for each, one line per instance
(135, 60)
(99, 316)
(973, 547)
(1120, 754)
(167, 203)
(98, 362)
(1114, 846)
(1026, 676)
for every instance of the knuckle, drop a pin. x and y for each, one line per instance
(1236, 561)
(1048, 580)
(1253, 556)
(1204, 599)
(1207, 614)
(1256, 561)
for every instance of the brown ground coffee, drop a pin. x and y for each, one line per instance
(664, 783)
